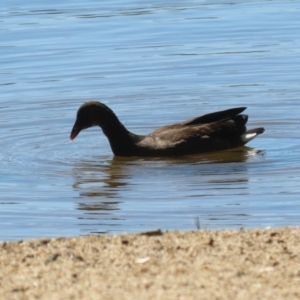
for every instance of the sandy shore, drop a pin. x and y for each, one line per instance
(204, 264)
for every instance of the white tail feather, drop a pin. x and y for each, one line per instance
(246, 137)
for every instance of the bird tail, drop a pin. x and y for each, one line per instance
(251, 134)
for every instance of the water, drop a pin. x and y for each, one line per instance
(153, 64)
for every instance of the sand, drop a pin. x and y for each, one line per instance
(203, 264)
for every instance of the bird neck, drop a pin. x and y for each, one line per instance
(121, 140)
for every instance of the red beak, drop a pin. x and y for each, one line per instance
(76, 129)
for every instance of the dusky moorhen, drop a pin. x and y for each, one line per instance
(211, 132)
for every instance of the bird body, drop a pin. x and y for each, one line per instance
(211, 132)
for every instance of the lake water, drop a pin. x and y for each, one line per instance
(153, 63)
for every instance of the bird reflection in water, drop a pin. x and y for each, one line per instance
(102, 181)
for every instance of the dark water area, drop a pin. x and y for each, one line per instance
(153, 64)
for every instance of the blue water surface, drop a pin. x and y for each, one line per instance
(153, 64)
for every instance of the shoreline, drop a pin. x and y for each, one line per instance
(202, 264)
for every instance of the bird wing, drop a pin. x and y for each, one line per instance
(202, 120)
(195, 138)
(212, 130)
(216, 116)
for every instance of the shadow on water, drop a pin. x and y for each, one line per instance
(103, 183)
